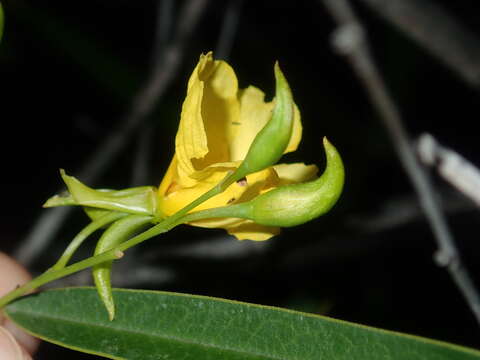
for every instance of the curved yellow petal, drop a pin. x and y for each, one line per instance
(254, 114)
(296, 131)
(240, 228)
(295, 173)
(248, 230)
(191, 139)
(211, 103)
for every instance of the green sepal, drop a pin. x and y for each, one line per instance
(97, 213)
(270, 143)
(138, 200)
(288, 205)
(119, 232)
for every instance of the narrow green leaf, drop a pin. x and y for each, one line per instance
(159, 325)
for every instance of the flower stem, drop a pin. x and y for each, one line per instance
(117, 252)
(82, 235)
(51, 275)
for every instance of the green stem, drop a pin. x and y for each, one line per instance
(113, 254)
(117, 252)
(50, 275)
(217, 189)
(82, 235)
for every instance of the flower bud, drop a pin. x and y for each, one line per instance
(296, 204)
(270, 143)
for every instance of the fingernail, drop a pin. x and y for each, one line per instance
(9, 348)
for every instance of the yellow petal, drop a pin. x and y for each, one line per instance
(248, 230)
(240, 228)
(295, 173)
(173, 197)
(254, 114)
(296, 131)
(211, 103)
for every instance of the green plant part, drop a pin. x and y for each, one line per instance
(289, 205)
(119, 232)
(258, 145)
(271, 142)
(138, 200)
(95, 225)
(152, 325)
(295, 204)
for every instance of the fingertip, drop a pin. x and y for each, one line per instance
(13, 275)
(17, 275)
(9, 348)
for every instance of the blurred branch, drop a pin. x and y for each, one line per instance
(161, 75)
(454, 168)
(229, 29)
(223, 49)
(144, 144)
(400, 211)
(349, 40)
(434, 29)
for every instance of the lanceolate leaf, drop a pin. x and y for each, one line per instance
(159, 325)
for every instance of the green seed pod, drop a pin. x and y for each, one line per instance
(288, 205)
(270, 143)
(296, 204)
(119, 232)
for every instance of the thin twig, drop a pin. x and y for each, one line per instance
(163, 32)
(145, 133)
(349, 40)
(162, 74)
(229, 29)
(435, 30)
(400, 211)
(453, 167)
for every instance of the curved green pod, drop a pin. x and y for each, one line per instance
(295, 204)
(270, 143)
(289, 205)
(120, 231)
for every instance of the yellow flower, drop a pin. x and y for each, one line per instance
(217, 126)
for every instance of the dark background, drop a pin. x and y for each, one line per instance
(69, 72)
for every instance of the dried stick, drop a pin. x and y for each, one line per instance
(453, 167)
(349, 40)
(435, 30)
(162, 74)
